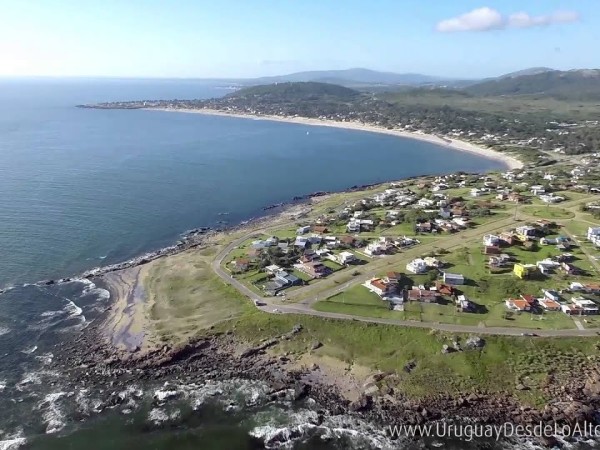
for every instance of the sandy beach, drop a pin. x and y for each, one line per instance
(454, 144)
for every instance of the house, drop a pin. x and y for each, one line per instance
(316, 269)
(592, 288)
(301, 242)
(516, 197)
(353, 227)
(526, 232)
(508, 238)
(491, 240)
(303, 230)
(376, 248)
(571, 310)
(538, 189)
(417, 266)
(444, 289)
(346, 258)
(524, 270)
(383, 287)
(569, 269)
(424, 227)
(593, 234)
(551, 295)
(241, 265)
(588, 307)
(549, 305)
(515, 304)
(491, 250)
(529, 299)
(453, 279)
(547, 266)
(348, 240)
(421, 295)
(272, 269)
(463, 304)
(394, 276)
(432, 262)
(461, 221)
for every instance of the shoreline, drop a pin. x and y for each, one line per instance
(511, 162)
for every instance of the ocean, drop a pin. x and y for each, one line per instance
(81, 188)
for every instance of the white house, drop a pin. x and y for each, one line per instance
(417, 266)
(490, 240)
(375, 248)
(303, 230)
(588, 306)
(453, 279)
(346, 257)
(593, 234)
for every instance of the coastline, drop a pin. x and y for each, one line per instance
(511, 162)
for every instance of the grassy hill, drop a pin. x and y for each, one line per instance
(571, 85)
(297, 91)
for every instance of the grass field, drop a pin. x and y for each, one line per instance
(548, 212)
(185, 296)
(499, 366)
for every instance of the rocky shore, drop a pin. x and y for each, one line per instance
(90, 361)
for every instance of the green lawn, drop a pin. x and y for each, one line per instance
(548, 212)
(503, 362)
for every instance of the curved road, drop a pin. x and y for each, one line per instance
(311, 293)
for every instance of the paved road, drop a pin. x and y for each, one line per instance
(306, 296)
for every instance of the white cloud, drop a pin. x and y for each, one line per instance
(486, 19)
(480, 19)
(524, 20)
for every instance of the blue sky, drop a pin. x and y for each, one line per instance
(247, 38)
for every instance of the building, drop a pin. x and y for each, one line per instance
(491, 240)
(549, 305)
(588, 307)
(515, 304)
(453, 279)
(241, 265)
(524, 270)
(526, 232)
(463, 304)
(417, 266)
(593, 234)
(303, 230)
(383, 287)
(551, 295)
(315, 269)
(346, 258)
(421, 295)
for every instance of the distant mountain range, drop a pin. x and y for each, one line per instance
(582, 84)
(353, 78)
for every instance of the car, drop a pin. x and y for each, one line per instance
(529, 334)
(276, 310)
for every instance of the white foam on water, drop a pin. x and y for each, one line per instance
(3, 385)
(52, 313)
(4, 330)
(73, 309)
(45, 358)
(13, 441)
(159, 416)
(53, 416)
(30, 378)
(30, 350)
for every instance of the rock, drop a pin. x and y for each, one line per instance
(521, 387)
(363, 403)
(315, 345)
(301, 390)
(371, 390)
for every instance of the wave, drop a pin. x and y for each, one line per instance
(30, 350)
(2, 385)
(4, 330)
(53, 416)
(13, 441)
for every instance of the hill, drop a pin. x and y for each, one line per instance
(353, 77)
(295, 92)
(569, 85)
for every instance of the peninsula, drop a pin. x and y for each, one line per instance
(465, 295)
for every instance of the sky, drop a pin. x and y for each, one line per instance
(250, 38)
